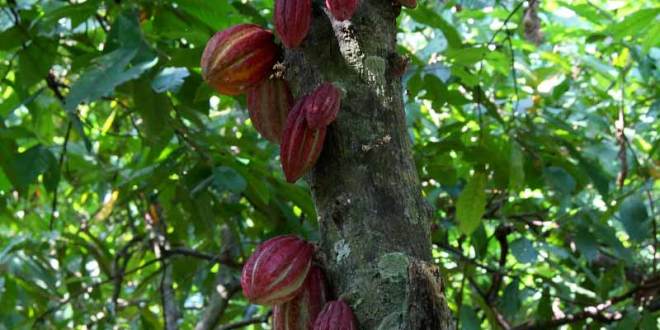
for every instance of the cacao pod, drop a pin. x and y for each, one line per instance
(408, 3)
(322, 106)
(277, 269)
(268, 104)
(342, 10)
(301, 145)
(300, 312)
(336, 315)
(238, 58)
(293, 19)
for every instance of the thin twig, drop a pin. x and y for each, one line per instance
(514, 76)
(42, 317)
(54, 86)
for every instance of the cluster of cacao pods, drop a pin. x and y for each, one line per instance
(281, 273)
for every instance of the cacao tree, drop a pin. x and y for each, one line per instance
(329, 164)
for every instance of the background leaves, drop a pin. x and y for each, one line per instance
(539, 156)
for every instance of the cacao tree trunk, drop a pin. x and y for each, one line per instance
(375, 228)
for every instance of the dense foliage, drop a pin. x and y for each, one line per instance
(125, 179)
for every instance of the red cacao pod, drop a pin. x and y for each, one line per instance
(293, 19)
(342, 9)
(300, 312)
(238, 58)
(269, 104)
(408, 3)
(301, 145)
(322, 106)
(336, 315)
(277, 269)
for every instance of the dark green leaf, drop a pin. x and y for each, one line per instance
(226, 178)
(634, 217)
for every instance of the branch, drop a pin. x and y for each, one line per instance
(221, 259)
(156, 223)
(168, 298)
(217, 305)
(501, 234)
(42, 317)
(54, 86)
(243, 323)
(591, 312)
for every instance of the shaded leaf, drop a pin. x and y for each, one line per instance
(471, 204)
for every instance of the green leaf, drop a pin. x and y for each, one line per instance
(544, 308)
(169, 80)
(33, 66)
(634, 217)
(227, 178)
(471, 204)
(467, 56)
(427, 17)
(586, 243)
(523, 250)
(11, 38)
(27, 166)
(154, 110)
(635, 23)
(510, 302)
(469, 319)
(560, 180)
(516, 168)
(108, 72)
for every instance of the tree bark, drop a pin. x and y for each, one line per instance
(375, 228)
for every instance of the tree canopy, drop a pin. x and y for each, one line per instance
(124, 178)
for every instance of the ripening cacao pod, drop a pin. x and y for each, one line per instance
(268, 104)
(301, 145)
(238, 58)
(300, 312)
(408, 3)
(336, 315)
(342, 9)
(322, 106)
(277, 269)
(293, 19)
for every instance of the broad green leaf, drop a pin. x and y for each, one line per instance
(169, 80)
(226, 178)
(27, 166)
(471, 204)
(560, 180)
(544, 308)
(425, 16)
(634, 217)
(635, 23)
(510, 302)
(524, 251)
(469, 319)
(33, 63)
(467, 56)
(108, 72)
(516, 168)
(586, 243)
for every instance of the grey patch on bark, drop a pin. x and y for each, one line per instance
(393, 266)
